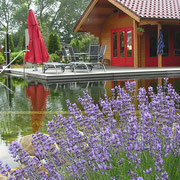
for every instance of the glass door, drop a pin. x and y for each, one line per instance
(122, 47)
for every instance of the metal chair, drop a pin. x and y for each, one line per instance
(56, 65)
(96, 57)
(102, 53)
(93, 53)
(66, 58)
(74, 60)
(75, 49)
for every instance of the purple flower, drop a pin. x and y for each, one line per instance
(120, 137)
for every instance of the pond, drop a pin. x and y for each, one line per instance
(27, 106)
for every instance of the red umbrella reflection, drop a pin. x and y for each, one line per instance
(37, 50)
(38, 97)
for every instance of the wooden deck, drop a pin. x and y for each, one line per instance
(111, 73)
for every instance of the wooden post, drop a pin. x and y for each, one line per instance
(139, 52)
(135, 44)
(159, 55)
(160, 81)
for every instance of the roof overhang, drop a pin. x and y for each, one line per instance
(96, 13)
(125, 10)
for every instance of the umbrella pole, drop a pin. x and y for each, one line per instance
(35, 67)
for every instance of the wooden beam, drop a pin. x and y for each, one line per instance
(101, 16)
(85, 15)
(148, 22)
(159, 55)
(104, 5)
(125, 10)
(101, 10)
(135, 35)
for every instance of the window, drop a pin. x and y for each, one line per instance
(121, 44)
(153, 43)
(177, 44)
(129, 43)
(114, 44)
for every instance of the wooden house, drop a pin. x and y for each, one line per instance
(116, 23)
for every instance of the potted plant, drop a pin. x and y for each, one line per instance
(140, 31)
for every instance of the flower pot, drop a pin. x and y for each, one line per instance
(140, 33)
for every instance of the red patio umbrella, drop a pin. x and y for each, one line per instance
(38, 97)
(37, 50)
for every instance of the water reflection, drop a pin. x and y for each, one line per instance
(38, 96)
(146, 83)
(60, 92)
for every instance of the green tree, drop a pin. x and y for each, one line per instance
(51, 43)
(75, 42)
(58, 16)
(45, 9)
(45, 31)
(7, 9)
(66, 17)
(57, 45)
(11, 43)
(84, 41)
(22, 42)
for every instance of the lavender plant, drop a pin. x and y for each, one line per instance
(109, 140)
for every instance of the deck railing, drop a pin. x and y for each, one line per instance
(13, 60)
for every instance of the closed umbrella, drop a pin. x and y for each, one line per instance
(38, 98)
(160, 43)
(37, 50)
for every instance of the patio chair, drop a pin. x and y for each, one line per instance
(56, 65)
(76, 63)
(93, 53)
(101, 53)
(96, 57)
(66, 58)
(75, 49)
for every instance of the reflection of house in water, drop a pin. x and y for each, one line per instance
(37, 95)
(143, 83)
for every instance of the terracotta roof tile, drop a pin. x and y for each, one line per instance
(160, 9)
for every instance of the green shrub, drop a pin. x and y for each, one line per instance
(57, 45)
(19, 60)
(50, 44)
(54, 58)
(75, 42)
(2, 59)
(53, 43)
